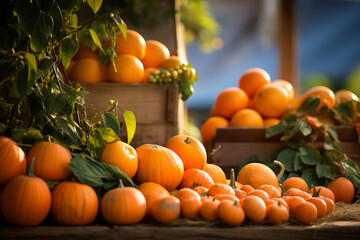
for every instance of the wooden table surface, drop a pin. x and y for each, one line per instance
(330, 230)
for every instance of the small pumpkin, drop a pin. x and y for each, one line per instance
(191, 151)
(195, 177)
(152, 192)
(26, 200)
(160, 165)
(230, 212)
(12, 160)
(123, 205)
(215, 172)
(121, 155)
(74, 203)
(52, 161)
(166, 209)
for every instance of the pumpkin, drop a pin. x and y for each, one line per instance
(73, 203)
(220, 189)
(230, 212)
(52, 161)
(121, 155)
(26, 200)
(194, 177)
(152, 192)
(123, 205)
(215, 172)
(190, 150)
(12, 160)
(166, 209)
(160, 165)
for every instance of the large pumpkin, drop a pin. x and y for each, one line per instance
(25, 201)
(52, 161)
(74, 203)
(160, 165)
(123, 205)
(152, 192)
(121, 155)
(189, 149)
(12, 160)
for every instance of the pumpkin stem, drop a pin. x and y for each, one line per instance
(316, 193)
(31, 169)
(232, 178)
(236, 203)
(282, 169)
(121, 184)
(195, 185)
(282, 190)
(187, 140)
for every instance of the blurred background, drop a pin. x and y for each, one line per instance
(226, 37)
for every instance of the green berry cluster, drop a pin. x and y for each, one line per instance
(173, 75)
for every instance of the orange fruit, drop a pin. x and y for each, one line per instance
(246, 118)
(86, 51)
(231, 100)
(134, 44)
(271, 101)
(257, 174)
(215, 172)
(295, 182)
(260, 193)
(345, 96)
(271, 190)
(86, 70)
(156, 53)
(172, 62)
(320, 205)
(148, 72)
(252, 80)
(293, 202)
(129, 70)
(271, 121)
(254, 208)
(306, 213)
(288, 86)
(327, 97)
(343, 189)
(277, 214)
(208, 129)
(214, 111)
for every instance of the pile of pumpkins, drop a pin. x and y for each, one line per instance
(173, 181)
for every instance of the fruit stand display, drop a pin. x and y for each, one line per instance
(69, 169)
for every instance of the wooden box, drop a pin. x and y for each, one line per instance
(158, 109)
(234, 145)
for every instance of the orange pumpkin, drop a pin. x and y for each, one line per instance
(160, 165)
(152, 192)
(52, 161)
(189, 149)
(195, 177)
(74, 203)
(230, 212)
(12, 160)
(26, 200)
(215, 172)
(166, 209)
(121, 155)
(220, 189)
(123, 205)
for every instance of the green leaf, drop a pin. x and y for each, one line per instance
(289, 119)
(69, 129)
(56, 102)
(328, 144)
(42, 33)
(68, 49)
(67, 4)
(35, 103)
(274, 130)
(309, 105)
(130, 123)
(29, 14)
(332, 131)
(309, 155)
(298, 164)
(21, 82)
(293, 174)
(310, 177)
(97, 140)
(305, 128)
(352, 172)
(323, 171)
(95, 38)
(9, 37)
(111, 122)
(119, 23)
(57, 17)
(287, 157)
(43, 67)
(119, 175)
(26, 135)
(95, 5)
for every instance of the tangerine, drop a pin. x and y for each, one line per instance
(156, 53)
(252, 80)
(343, 189)
(246, 118)
(129, 70)
(231, 100)
(208, 129)
(86, 70)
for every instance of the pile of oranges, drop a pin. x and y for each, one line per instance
(259, 102)
(136, 60)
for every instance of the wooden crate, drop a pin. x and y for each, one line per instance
(158, 109)
(234, 145)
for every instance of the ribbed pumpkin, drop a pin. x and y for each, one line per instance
(123, 205)
(189, 149)
(52, 161)
(26, 200)
(12, 160)
(121, 155)
(195, 177)
(215, 172)
(152, 192)
(160, 165)
(73, 203)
